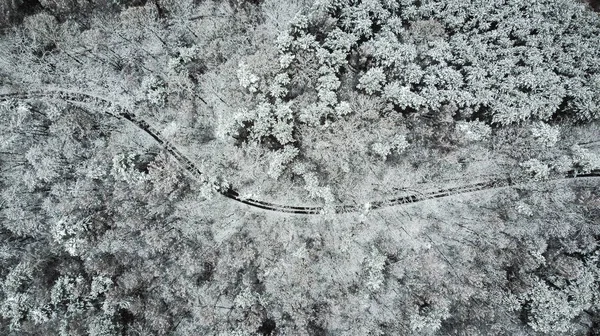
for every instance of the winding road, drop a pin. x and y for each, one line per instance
(117, 111)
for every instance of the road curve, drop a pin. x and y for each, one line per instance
(117, 111)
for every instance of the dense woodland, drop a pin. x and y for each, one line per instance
(103, 231)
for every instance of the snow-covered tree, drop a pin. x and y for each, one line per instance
(473, 130)
(545, 134)
(372, 80)
(537, 169)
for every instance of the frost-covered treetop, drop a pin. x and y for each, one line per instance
(507, 61)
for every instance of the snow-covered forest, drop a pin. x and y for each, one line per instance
(299, 167)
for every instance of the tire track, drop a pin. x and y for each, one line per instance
(117, 111)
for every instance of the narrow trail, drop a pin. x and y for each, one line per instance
(115, 110)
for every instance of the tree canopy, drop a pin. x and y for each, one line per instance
(447, 152)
